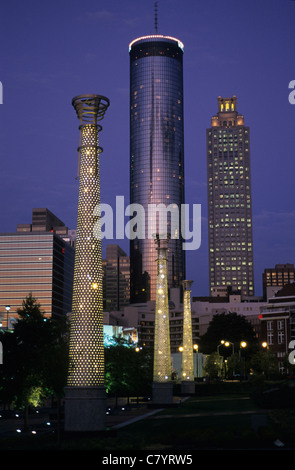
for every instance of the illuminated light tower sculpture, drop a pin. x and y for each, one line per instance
(85, 406)
(162, 384)
(187, 366)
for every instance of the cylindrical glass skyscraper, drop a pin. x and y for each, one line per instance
(156, 154)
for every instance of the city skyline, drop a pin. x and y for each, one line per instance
(229, 49)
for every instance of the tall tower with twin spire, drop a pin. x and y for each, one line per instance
(229, 200)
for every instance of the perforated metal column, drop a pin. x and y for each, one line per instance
(85, 393)
(86, 339)
(162, 355)
(187, 367)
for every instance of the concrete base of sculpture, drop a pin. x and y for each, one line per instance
(187, 387)
(85, 409)
(162, 393)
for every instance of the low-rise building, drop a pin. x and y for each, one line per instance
(277, 319)
(273, 279)
(206, 307)
(142, 316)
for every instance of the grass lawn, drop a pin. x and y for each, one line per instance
(216, 422)
(207, 422)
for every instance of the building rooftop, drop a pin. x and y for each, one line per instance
(156, 37)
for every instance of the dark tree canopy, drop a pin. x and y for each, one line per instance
(229, 327)
(35, 356)
(128, 372)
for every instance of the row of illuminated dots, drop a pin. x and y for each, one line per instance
(243, 345)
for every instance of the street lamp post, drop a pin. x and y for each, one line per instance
(243, 345)
(221, 343)
(196, 349)
(7, 308)
(226, 344)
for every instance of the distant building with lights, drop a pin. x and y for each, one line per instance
(141, 316)
(277, 319)
(116, 278)
(36, 259)
(229, 200)
(140, 319)
(206, 307)
(274, 279)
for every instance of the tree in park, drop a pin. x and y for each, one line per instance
(228, 327)
(128, 369)
(265, 362)
(35, 358)
(213, 365)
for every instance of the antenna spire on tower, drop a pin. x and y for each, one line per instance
(156, 17)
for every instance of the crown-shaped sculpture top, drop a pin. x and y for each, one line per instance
(90, 108)
(187, 285)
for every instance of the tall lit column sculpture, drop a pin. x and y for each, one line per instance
(162, 384)
(85, 392)
(187, 366)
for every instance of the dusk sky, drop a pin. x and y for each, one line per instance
(53, 51)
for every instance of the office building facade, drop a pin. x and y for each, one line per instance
(36, 260)
(277, 319)
(156, 154)
(229, 200)
(275, 278)
(116, 278)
